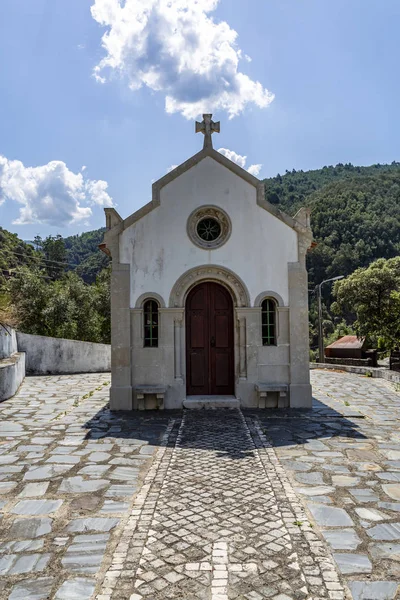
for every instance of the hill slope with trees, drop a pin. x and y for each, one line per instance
(83, 251)
(355, 214)
(14, 252)
(355, 220)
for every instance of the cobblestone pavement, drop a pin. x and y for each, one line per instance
(68, 471)
(105, 506)
(217, 519)
(344, 460)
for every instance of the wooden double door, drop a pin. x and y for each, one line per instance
(209, 341)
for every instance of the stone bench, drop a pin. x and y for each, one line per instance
(263, 389)
(142, 391)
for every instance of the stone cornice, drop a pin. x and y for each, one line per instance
(301, 222)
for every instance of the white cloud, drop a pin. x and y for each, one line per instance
(176, 47)
(51, 193)
(241, 161)
(237, 158)
(96, 192)
(171, 168)
(254, 170)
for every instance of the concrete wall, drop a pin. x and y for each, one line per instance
(12, 373)
(379, 372)
(352, 362)
(159, 250)
(8, 342)
(46, 355)
(12, 364)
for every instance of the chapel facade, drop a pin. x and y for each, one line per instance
(209, 296)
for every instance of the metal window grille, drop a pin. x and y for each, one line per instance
(268, 322)
(150, 310)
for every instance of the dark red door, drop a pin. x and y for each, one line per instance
(209, 341)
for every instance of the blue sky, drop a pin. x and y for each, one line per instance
(332, 68)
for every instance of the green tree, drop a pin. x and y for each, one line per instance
(83, 251)
(67, 307)
(30, 294)
(38, 242)
(71, 311)
(104, 304)
(373, 295)
(55, 253)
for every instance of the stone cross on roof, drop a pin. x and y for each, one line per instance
(208, 127)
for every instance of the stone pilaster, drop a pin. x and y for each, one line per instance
(300, 388)
(121, 383)
(178, 315)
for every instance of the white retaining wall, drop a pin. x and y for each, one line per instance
(56, 356)
(12, 363)
(12, 373)
(379, 372)
(8, 341)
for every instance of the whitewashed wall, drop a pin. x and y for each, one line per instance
(12, 363)
(160, 251)
(49, 356)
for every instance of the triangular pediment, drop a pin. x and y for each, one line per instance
(196, 158)
(299, 224)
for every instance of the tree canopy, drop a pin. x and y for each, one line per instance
(355, 214)
(373, 295)
(83, 251)
(66, 307)
(355, 220)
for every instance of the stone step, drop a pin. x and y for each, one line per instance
(211, 402)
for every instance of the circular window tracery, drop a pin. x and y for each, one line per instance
(209, 227)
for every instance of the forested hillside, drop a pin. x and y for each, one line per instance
(293, 189)
(355, 220)
(355, 214)
(14, 252)
(83, 250)
(56, 286)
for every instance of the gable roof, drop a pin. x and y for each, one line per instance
(348, 342)
(301, 221)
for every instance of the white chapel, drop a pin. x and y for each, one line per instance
(209, 297)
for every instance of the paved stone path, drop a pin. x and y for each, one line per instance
(218, 519)
(96, 505)
(344, 460)
(68, 471)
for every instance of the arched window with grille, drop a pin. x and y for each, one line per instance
(151, 322)
(268, 322)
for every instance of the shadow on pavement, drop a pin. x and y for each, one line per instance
(285, 427)
(293, 427)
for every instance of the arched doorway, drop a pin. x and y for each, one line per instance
(209, 341)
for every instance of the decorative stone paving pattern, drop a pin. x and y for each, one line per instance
(343, 458)
(69, 469)
(217, 519)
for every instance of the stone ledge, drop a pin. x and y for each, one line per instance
(271, 387)
(150, 389)
(12, 374)
(210, 402)
(379, 372)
